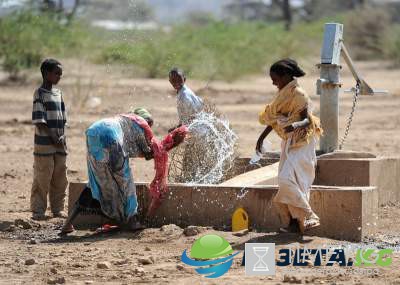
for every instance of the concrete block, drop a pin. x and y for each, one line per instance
(345, 212)
(342, 172)
(384, 173)
(342, 154)
(340, 168)
(381, 172)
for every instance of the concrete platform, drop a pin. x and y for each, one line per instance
(382, 173)
(339, 169)
(346, 213)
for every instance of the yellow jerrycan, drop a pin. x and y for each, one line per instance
(240, 220)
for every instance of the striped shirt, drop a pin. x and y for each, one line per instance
(48, 109)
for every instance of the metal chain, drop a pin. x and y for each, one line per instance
(350, 119)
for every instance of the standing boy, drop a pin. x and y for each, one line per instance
(188, 104)
(50, 149)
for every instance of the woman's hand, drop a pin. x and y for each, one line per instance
(303, 123)
(174, 128)
(178, 139)
(149, 155)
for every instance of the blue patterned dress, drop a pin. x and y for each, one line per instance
(110, 144)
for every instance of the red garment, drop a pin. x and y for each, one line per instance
(158, 187)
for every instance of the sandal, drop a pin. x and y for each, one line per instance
(106, 228)
(67, 229)
(309, 224)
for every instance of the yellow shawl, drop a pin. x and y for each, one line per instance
(285, 109)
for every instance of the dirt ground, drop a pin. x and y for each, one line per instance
(75, 260)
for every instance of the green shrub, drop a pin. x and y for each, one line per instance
(215, 50)
(392, 45)
(365, 31)
(26, 38)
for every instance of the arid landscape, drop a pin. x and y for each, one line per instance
(32, 253)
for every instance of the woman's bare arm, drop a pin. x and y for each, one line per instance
(263, 135)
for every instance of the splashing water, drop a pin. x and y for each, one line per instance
(242, 193)
(207, 154)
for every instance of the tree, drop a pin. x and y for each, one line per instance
(260, 10)
(21, 41)
(59, 10)
(366, 30)
(286, 11)
(287, 14)
(143, 12)
(71, 15)
(27, 37)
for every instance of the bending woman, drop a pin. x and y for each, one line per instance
(289, 115)
(111, 189)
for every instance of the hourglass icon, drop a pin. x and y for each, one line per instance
(260, 252)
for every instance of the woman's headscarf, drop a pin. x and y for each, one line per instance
(142, 112)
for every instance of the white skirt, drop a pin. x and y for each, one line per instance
(296, 174)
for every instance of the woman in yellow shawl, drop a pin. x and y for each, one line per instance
(289, 115)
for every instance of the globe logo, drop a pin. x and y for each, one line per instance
(212, 256)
